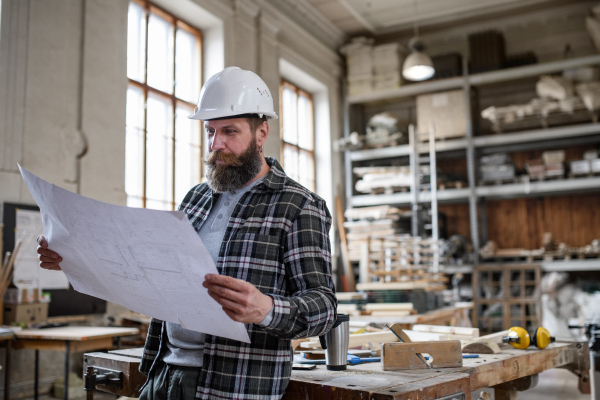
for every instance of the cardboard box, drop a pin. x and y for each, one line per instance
(596, 166)
(581, 167)
(27, 313)
(446, 111)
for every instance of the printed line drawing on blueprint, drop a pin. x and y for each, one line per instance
(149, 261)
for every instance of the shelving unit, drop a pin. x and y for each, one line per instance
(474, 194)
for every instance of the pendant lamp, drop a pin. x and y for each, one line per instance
(418, 65)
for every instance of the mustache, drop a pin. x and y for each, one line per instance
(231, 159)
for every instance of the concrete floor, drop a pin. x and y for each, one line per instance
(554, 384)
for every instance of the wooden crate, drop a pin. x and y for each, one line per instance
(505, 296)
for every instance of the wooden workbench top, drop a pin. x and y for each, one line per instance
(486, 371)
(369, 381)
(75, 333)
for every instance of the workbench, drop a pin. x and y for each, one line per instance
(68, 339)
(506, 372)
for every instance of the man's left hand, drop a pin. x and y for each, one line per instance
(241, 300)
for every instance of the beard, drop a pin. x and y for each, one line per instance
(238, 171)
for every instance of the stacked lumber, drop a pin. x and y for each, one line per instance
(359, 62)
(549, 252)
(374, 340)
(387, 62)
(403, 258)
(363, 223)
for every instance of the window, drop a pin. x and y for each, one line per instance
(297, 134)
(163, 148)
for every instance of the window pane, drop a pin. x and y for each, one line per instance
(290, 162)
(134, 202)
(187, 66)
(159, 151)
(305, 123)
(290, 125)
(187, 152)
(306, 170)
(160, 53)
(136, 42)
(134, 143)
(159, 205)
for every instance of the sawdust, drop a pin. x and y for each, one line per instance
(350, 372)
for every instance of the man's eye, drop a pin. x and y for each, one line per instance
(230, 131)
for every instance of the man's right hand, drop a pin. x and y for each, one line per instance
(48, 259)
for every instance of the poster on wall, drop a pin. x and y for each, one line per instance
(27, 271)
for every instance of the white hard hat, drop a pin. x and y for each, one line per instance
(233, 92)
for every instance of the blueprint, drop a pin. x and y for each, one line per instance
(149, 261)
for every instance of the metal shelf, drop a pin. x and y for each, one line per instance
(528, 71)
(404, 150)
(512, 190)
(537, 135)
(502, 139)
(408, 90)
(539, 187)
(506, 142)
(484, 78)
(590, 264)
(404, 198)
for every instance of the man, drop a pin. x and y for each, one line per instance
(268, 236)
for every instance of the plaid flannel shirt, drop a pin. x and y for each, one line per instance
(277, 239)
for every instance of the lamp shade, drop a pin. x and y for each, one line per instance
(418, 67)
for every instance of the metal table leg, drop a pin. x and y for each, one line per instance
(67, 360)
(36, 374)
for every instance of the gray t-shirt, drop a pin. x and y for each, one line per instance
(186, 347)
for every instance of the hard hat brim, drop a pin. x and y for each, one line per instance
(206, 115)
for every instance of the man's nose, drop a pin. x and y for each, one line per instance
(217, 142)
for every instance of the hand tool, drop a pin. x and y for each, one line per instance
(403, 341)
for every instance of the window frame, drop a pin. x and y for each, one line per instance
(177, 23)
(299, 92)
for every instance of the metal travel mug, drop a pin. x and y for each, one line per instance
(335, 343)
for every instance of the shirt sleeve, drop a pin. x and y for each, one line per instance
(151, 346)
(265, 322)
(310, 309)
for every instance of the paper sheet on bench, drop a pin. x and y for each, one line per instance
(149, 261)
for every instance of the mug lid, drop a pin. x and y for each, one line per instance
(341, 318)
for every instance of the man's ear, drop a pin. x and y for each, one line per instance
(263, 133)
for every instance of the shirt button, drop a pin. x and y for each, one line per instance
(220, 216)
(226, 203)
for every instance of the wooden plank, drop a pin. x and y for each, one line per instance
(494, 337)
(368, 381)
(348, 272)
(132, 378)
(357, 340)
(432, 388)
(388, 306)
(389, 313)
(75, 333)
(451, 330)
(135, 353)
(422, 284)
(60, 345)
(480, 347)
(399, 356)
(512, 364)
